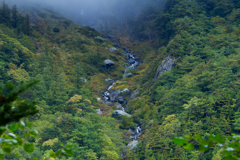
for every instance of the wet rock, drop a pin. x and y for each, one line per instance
(166, 65)
(99, 111)
(133, 144)
(110, 36)
(120, 100)
(113, 50)
(127, 75)
(101, 38)
(131, 61)
(109, 62)
(120, 113)
(109, 80)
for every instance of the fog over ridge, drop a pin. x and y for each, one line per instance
(93, 13)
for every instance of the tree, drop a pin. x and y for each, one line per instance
(5, 14)
(27, 25)
(78, 76)
(12, 111)
(15, 16)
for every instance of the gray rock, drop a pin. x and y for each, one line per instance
(127, 75)
(131, 61)
(110, 36)
(166, 65)
(126, 90)
(109, 103)
(120, 113)
(99, 99)
(109, 80)
(101, 38)
(99, 111)
(109, 62)
(113, 50)
(133, 144)
(132, 66)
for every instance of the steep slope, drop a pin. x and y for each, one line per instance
(69, 61)
(188, 80)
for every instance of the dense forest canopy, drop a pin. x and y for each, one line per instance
(170, 70)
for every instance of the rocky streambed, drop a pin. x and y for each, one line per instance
(113, 97)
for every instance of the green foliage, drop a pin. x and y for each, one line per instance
(230, 150)
(12, 111)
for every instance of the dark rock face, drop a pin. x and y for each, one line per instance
(120, 100)
(166, 65)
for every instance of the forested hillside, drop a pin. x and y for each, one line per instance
(190, 85)
(69, 62)
(171, 72)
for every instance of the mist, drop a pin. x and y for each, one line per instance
(98, 14)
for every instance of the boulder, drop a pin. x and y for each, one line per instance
(133, 144)
(120, 113)
(99, 99)
(109, 62)
(131, 61)
(127, 75)
(101, 38)
(109, 80)
(126, 91)
(110, 36)
(113, 49)
(166, 65)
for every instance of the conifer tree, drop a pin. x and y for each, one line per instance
(5, 14)
(78, 76)
(15, 16)
(27, 25)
